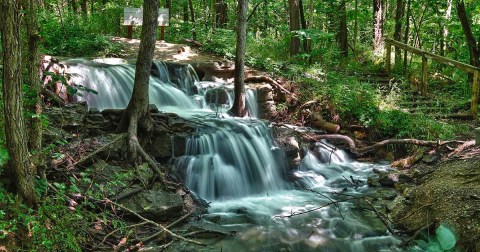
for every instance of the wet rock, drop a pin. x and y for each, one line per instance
(268, 110)
(387, 178)
(96, 124)
(217, 96)
(289, 141)
(264, 93)
(114, 151)
(69, 118)
(397, 205)
(155, 204)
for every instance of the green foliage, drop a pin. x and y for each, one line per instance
(222, 42)
(51, 228)
(444, 240)
(74, 36)
(399, 124)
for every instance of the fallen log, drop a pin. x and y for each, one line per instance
(318, 122)
(270, 81)
(193, 42)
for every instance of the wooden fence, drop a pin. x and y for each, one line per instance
(427, 55)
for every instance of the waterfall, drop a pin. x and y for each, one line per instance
(235, 164)
(114, 84)
(232, 158)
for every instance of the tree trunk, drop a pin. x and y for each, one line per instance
(23, 174)
(33, 78)
(222, 13)
(407, 34)
(342, 34)
(239, 105)
(192, 17)
(400, 11)
(168, 5)
(84, 6)
(185, 12)
(473, 48)
(73, 6)
(448, 15)
(355, 28)
(378, 18)
(303, 21)
(136, 116)
(294, 8)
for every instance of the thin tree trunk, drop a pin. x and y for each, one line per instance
(448, 15)
(222, 13)
(33, 78)
(294, 9)
(185, 12)
(84, 6)
(400, 11)
(192, 17)
(23, 174)
(136, 115)
(239, 104)
(355, 27)
(303, 21)
(342, 35)
(473, 48)
(407, 35)
(378, 20)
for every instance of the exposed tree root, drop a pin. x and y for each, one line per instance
(272, 82)
(353, 148)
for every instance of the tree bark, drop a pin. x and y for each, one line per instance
(84, 6)
(23, 174)
(342, 34)
(448, 15)
(33, 78)
(136, 116)
(222, 13)
(473, 48)
(400, 11)
(239, 104)
(355, 28)
(378, 20)
(192, 17)
(303, 22)
(294, 10)
(407, 34)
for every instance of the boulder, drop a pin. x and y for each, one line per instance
(217, 96)
(289, 141)
(155, 204)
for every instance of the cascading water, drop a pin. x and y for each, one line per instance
(235, 164)
(232, 159)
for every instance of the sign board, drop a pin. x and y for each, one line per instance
(134, 16)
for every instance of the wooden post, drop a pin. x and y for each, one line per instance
(424, 75)
(129, 31)
(476, 84)
(388, 60)
(162, 33)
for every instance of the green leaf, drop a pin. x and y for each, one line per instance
(446, 237)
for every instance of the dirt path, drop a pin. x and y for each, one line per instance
(167, 51)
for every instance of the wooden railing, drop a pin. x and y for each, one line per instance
(440, 59)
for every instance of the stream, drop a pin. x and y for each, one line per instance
(236, 166)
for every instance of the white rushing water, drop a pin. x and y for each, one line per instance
(236, 166)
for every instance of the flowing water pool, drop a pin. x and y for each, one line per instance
(235, 165)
